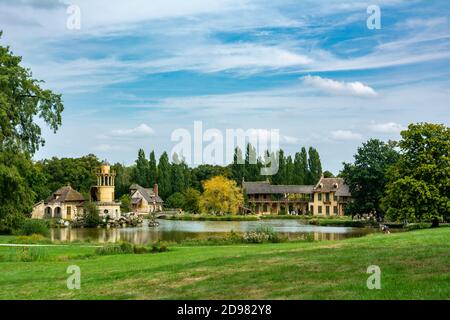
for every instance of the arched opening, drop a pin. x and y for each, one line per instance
(57, 212)
(48, 212)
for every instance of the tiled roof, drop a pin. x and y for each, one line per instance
(324, 185)
(267, 188)
(148, 194)
(65, 194)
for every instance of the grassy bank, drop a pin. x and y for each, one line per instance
(414, 265)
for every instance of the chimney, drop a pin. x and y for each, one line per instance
(155, 189)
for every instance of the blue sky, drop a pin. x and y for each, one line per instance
(135, 71)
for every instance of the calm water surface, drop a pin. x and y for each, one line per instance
(171, 230)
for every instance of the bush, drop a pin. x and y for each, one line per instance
(417, 226)
(91, 216)
(34, 226)
(128, 248)
(33, 239)
(26, 254)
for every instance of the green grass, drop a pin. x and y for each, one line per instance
(414, 265)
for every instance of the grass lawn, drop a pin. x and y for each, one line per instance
(414, 265)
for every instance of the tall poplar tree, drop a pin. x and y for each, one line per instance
(164, 176)
(315, 166)
(152, 168)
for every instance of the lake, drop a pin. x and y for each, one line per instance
(173, 230)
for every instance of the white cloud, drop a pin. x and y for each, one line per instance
(345, 135)
(139, 131)
(388, 127)
(339, 87)
(107, 147)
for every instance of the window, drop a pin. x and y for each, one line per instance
(320, 209)
(327, 210)
(327, 197)
(335, 210)
(335, 197)
(319, 197)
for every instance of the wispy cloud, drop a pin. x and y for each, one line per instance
(331, 86)
(138, 132)
(345, 135)
(387, 127)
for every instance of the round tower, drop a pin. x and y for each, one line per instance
(105, 183)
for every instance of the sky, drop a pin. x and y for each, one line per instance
(136, 71)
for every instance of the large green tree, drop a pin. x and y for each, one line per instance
(366, 176)
(164, 176)
(419, 183)
(300, 167)
(22, 101)
(152, 168)
(142, 170)
(314, 165)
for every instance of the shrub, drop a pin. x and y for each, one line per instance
(417, 226)
(33, 239)
(128, 248)
(27, 254)
(91, 216)
(34, 226)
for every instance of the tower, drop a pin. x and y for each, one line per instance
(103, 192)
(105, 183)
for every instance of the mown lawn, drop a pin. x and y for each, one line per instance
(414, 265)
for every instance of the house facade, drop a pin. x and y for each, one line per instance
(64, 203)
(145, 200)
(67, 203)
(328, 197)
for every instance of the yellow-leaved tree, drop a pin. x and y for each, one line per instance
(221, 196)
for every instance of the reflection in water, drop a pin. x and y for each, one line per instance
(177, 231)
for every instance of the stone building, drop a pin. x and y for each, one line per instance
(64, 203)
(103, 193)
(145, 200)
(67, 203)
(328, 197)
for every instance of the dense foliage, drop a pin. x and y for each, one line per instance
(419, 182)
(366, 177)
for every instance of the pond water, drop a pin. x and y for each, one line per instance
(173, 230)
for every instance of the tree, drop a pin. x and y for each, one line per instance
(314, 165)
(300, 167)
(221, 196)
(175, 200)
(206, 171)
(22, 101)
(418, 187)
(164, 176)
(91, 215)
(178, 174)
(366, 177)
(289, 179)
(238, 166)
(328, 174)
(142, 170)
(123, 179)
(251, 165)
(152, 168)
(125, 205)
(280, 176)
(191, 200)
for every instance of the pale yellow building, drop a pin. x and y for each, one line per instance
(65, 203)
(103, 193)
(328, 197)
(145, 200)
